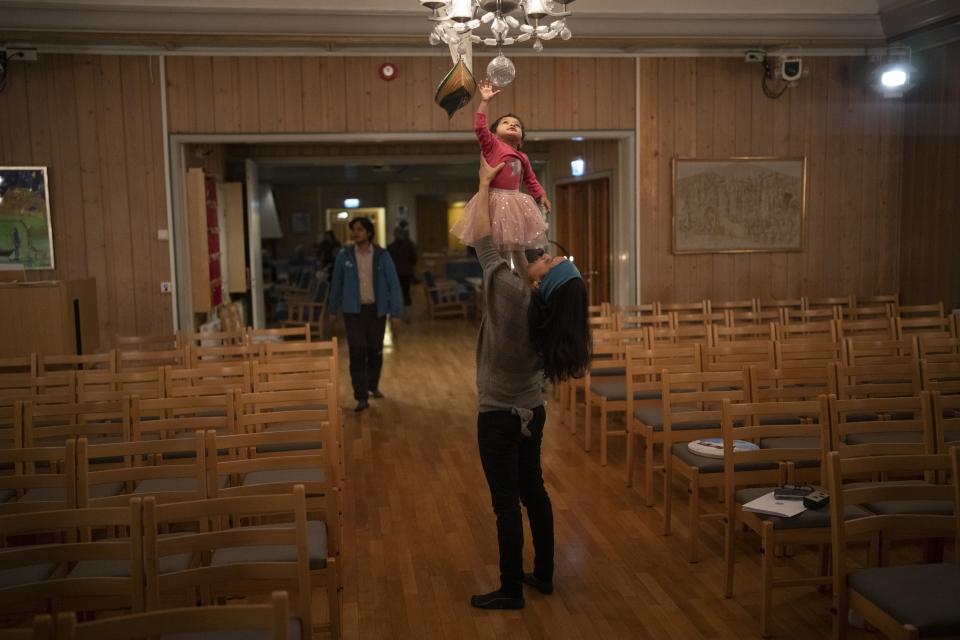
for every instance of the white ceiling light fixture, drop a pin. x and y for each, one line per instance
(351, 203)
(498, 23)
(894, 76)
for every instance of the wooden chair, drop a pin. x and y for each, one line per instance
(822, 330)
(275, 352)
(946, 418)
(21, 365)
(786, 443)
(42, 629)
(99, 386)
(189, 623)
(782, 304)
(875, 329)
(169, 470)
(805, 354)
(231, 558)
(813, 317)
(691, 411)
(223, 355)
(871, 311)
(213, 338)
(445, 298)
(700, 306)
(939, 349)
(743, 332)
(158, 342)
(309, 373)
(627, 320)
(940, 376)
(911, 601)
(39, 478)
(837, 304)
(735, 356)
(751, 305)
(52, 388)
(81, 569)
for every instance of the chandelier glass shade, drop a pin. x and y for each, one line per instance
(497, 23)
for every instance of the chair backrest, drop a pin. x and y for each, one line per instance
(932, 325)
(213, 338)
(865, 351)
(626, 320)
(806, 331)
(98, 562)
(225, 354)
(42, 629)
(53, 424)
(789, 385)
(939, 349)
(162, 418)
(734, 356)
(946, 419)
(159, 342)
(941, 376)
(292, 375)
(797, 422)
(279, 351)
(39, 478)
(847, 302)
(53, 387)
(97, 386)
(299, 333)
(146, 360)
(744, 331)
(877, 380)
(750, 305)
(813, 317)
(700, 306)
(691, 402)
(843, 495)
(871, 310)
(877, 328)
(881, 426)
(269, 618)
(206, 380)
(170, 470)
(98, 361)
(800, 354)
(232, 557)
(23, 365)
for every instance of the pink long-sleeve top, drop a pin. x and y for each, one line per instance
(517, 166)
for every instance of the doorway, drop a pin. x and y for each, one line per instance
(583, 230)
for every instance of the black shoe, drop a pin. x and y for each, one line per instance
(497, 600)
(543, 586)
(376, 394)
(362, 405)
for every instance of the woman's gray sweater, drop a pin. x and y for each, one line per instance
(509, 372)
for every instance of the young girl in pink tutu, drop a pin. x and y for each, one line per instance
(515, 219)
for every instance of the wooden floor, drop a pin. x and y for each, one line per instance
(420, 535)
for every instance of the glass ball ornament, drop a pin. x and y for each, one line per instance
(501, 71)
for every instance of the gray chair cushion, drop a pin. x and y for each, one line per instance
(924, 596)
(889, 437)
(901, 507)
(653, 417)
(26, 575)
(605, 373)
(121, 568)
(316, 546)
(809, 519)
(784, 420)
(6, 494)
(57, 494)
(293, 633)
(274, 476)
(616, 390)
(163, 485)
(794, 442)
(951, 435)
(714, 465)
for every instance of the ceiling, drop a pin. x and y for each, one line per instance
(313, 174)
(398, 25)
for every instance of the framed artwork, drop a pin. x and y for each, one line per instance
(26, 235)
(739, 205)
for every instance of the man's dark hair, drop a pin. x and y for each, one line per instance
(560, 331)
(366, 223)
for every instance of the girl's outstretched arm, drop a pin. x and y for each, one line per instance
(480, 121)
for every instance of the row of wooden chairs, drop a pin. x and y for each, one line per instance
(190, 354)
(146, 555)
(846, 368)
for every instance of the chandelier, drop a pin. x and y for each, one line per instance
(503, 22)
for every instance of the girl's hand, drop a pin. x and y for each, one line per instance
(487, 173)
(545, 201)
(487, 92)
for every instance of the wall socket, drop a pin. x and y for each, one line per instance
(163, 234)
(165, 287)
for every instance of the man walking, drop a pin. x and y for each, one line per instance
(365, 288)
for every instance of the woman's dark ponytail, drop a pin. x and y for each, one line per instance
(560, 331)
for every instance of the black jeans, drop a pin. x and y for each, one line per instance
(405, 289)
(511, 463)
(365, 338)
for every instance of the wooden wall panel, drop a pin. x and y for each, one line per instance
(930, 236)
(95, 122)
(714, 108)
(332, 94)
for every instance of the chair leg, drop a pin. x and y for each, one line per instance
(667, 494)
(648, 473)
(766, 582)
(842, 600)
(603, 433)
(631, 455)
(587, 422)
(572, 408)
(333, 596)
(694, 516)
(729, 550)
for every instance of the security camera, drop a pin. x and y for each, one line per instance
(754, 55)
(791, 69)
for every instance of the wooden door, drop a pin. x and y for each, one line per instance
(582, 219)
(432, 227)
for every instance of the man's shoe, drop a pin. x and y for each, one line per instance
(363, 405)
(497, 600)
(543, 586)
(376, 394)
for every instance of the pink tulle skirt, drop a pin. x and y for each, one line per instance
(515, 220)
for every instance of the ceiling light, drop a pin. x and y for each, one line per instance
(894, 75)
(343, 215)
(351, 203)
(894, 78)
(578, 167)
